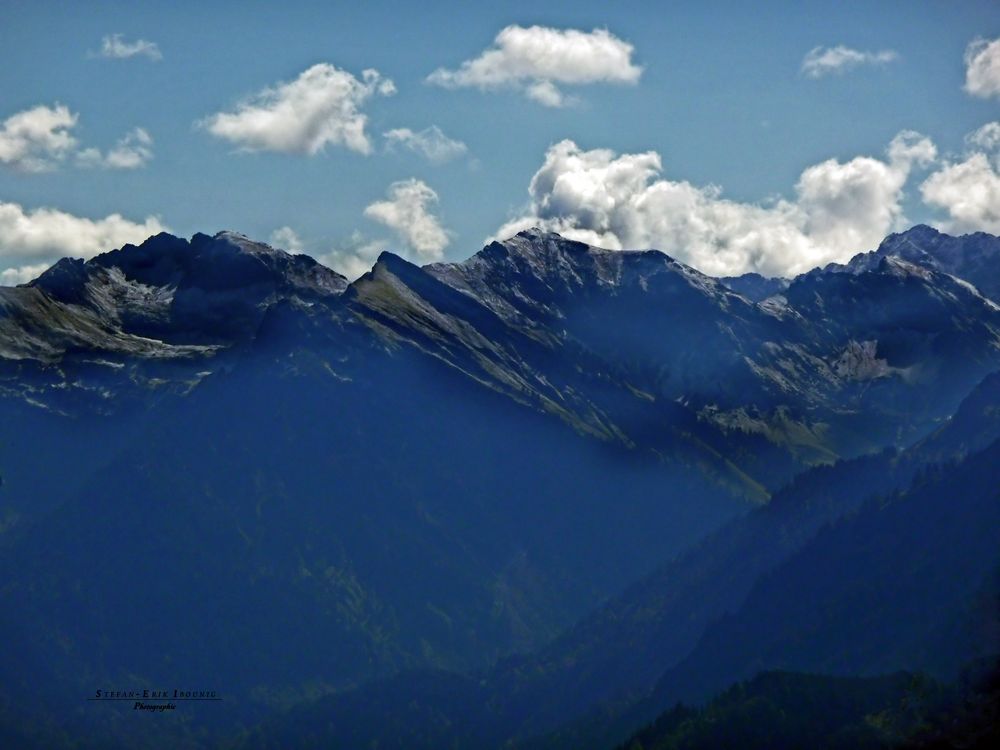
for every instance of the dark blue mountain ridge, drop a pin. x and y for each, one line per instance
(437, 467)
(206, 291)
(754, 286)
(972, 257)
(631, 348)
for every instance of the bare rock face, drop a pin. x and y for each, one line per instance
(209, 290)
(859, 361)
(972, 257)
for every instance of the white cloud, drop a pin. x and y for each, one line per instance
(548, 94)
(40, 138)
(987, 137)
(286, 238)
(821, 61)
(355, 256)
(320, 107)
(117, 48)
(131, 152)
(969, 189)
(408, 213)
(29, 238)
(621, 202)
(36, 139)
(982, 68)
(22, 274)
(430, 143)
(536, 58)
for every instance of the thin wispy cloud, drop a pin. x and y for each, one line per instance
(319, 108)
(115, 47)
(133, 151)
(431, 143)
(822, 61)
(537, 60)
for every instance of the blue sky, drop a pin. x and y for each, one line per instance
(722, 98)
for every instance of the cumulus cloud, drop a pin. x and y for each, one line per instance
(351, 257)
(21, 274)
(407, 211)
(37, 139)
(622, 202)
(982, 68)
(321, 107)
(39, 237)
(821, 61)
(131, 152)
(535, 59)
(287, 239)
(430, 143)
(115, 47)
(354, 256)
(968, 189)
(987, 137)
(40, 138)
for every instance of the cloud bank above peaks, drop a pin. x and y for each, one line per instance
(536, 60)
(623, 202)
(321, 107)
(31, 240)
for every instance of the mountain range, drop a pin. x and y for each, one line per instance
(532, 498)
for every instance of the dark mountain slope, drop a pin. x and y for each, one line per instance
(755, 287)
(838, 366)
(340, 520)
(600, 666)
(869, 594)
(972, 257)
(778, 710)
(211, 290)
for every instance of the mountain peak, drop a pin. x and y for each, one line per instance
(243, 243)
(918, 231)
(207, 290)
(973, 257)
(392, 260)
(537, 233)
